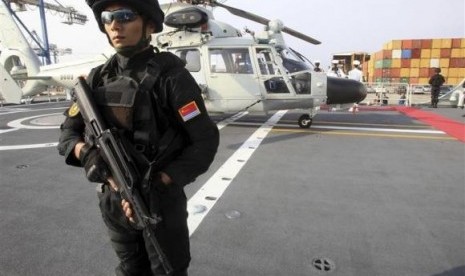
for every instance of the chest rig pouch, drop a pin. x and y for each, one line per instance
(116, 99)
(137, 109)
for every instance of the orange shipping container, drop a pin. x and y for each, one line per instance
(445, 53)
(405, 63)
(397, 44)
(436, 44)
(435, 53)
(454, 72)
(415, 63)
(407, 44)
(396, 63)
(453, 81)
(423, 80)
(424, 72)
(414, 72)
(425, 53)
(387, 54)
(444, 62)
(446, 43)
(445, 72)
(414, 80)
(424, 62)
(456, 53)
(426, 43)
(456, 42)
(416, 43)
(395, 72)
(404, 72)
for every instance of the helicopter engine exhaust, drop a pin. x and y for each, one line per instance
(342, 91)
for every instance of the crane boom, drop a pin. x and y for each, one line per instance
(73, 16)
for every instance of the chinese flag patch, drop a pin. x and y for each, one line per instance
(189, 111)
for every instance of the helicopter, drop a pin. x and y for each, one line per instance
(236, 71)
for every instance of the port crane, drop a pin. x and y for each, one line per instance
(72, 16)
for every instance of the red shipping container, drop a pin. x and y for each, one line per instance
(387, 54)
(407, 44)
(416, 53)
(461, 63)
(431, 71)
(416, 43)
(405, 63)
(395, 72)
(426, 43)
(413, 80)
(457, 63)
(424, 72)
(456, 42)
(378, 73)
(445, 53)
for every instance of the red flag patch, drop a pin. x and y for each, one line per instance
(189, 111)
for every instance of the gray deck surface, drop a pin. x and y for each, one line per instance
(389, 201)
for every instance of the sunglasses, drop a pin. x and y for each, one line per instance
(120, 16)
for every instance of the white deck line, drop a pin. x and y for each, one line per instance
(207, 196)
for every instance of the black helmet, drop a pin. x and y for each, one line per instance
(149, 8)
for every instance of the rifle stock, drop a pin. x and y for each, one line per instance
(123, 168)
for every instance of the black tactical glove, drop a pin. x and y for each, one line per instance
(94, 165)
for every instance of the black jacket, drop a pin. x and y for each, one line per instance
(178, 94)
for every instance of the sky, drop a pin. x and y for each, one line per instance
(341, 25)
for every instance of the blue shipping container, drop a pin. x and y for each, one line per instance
(407, 53)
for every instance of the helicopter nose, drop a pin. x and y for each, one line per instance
(341, 91)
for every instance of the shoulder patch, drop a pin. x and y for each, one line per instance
(189, 111)
(73, 110)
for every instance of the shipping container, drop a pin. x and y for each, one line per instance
(435, 53)
(456, 42)
(407, 53)
(415, 62)
(425, 53)
(426, 43)
(446, 43)
(436, 44)
(407, 44)
(397, 44)
(396, 63)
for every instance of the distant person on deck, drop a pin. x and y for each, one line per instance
(436, 81)
(356, 73)
(317, 66)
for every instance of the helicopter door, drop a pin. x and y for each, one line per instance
(232, 81)
(272, 82)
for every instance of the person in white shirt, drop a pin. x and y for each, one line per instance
(356, 73)
(335, 71)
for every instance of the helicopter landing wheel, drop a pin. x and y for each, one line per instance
(305, 121)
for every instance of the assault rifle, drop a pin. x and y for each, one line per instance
(124, 169)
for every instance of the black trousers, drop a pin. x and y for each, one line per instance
(133, 250)
(435, 96)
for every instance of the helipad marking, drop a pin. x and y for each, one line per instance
(18, 123)
(219, 182)
(31, 146)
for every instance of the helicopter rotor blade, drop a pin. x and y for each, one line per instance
(264, 21)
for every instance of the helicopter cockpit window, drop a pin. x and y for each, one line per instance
(230, 60)
(191, 57)
(291, 61)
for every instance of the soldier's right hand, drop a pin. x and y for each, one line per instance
(96, 168)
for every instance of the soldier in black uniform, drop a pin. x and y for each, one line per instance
(157, 106)
(436, 81)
